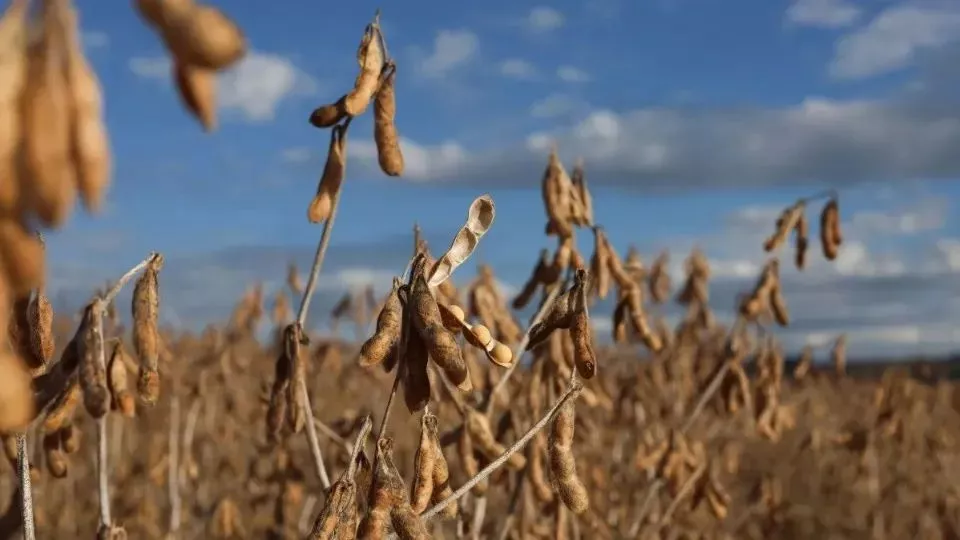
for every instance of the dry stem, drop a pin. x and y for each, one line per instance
(572, 393)
(26, 490)
(173, 465)
(99, 309)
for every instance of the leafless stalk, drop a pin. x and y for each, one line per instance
(681, 495)
(173, 465)
(26, 490)
(100, 309)
(572, 393)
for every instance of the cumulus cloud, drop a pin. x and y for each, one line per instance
(255, 87)
(95, 40)
(297, 155)
(260, 82)
(451, 50)
(894, 39)
(516, 68)
(543, 19)
(571, 74)
(818, 140)
(556, 105)
(823, 13)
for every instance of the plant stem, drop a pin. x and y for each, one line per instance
(100, 308)
(572, 393)
(302, 320)
(26, 490)
(173, 465)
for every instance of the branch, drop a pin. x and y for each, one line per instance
(681, 495)
(572, 393)
(26, 490)
(302, 320)
(173, 465)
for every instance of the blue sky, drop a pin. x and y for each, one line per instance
(697, 120)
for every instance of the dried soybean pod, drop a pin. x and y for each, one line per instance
(386, 338)
(13, 73)
(468, 460)
(386, 492)
(197, 88)
(70, 438)
(443, 347)
(56, 459)
(530, 287)
(146, 338)
(122, 399)
(584, 357)
(205, 37)
(600, 264)
(563, 466)
(579, 181)
(441, 476)
(785, 223)
(416, 381)
(48, 185)
(91, 145)
(21, 258)
(63, 407)
(93, 375)
(408, 524)
(277, 405)
(482, 436)
(293, 355)
(779, 306)
(384, 124)
(423, 465)
(370, 57)
(330, 114)
(40, 314)
(802, 241)
(335, 521)
(830, 236)
(322, 204)
(537, 472)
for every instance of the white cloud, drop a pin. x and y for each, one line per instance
(300, 154)
(555, 105)
(929, 214)
(516, 68)
(544, 19)
(675, 148)
(95, 40)
(421, 162)
(254, 87)
(155, 67)
(260, 82)
(572, 74)
(451, 49)
(893, 39)
(823, 13)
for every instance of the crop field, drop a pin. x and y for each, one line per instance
(453, 417)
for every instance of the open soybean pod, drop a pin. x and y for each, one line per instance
(476, 335)
(480, 218)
